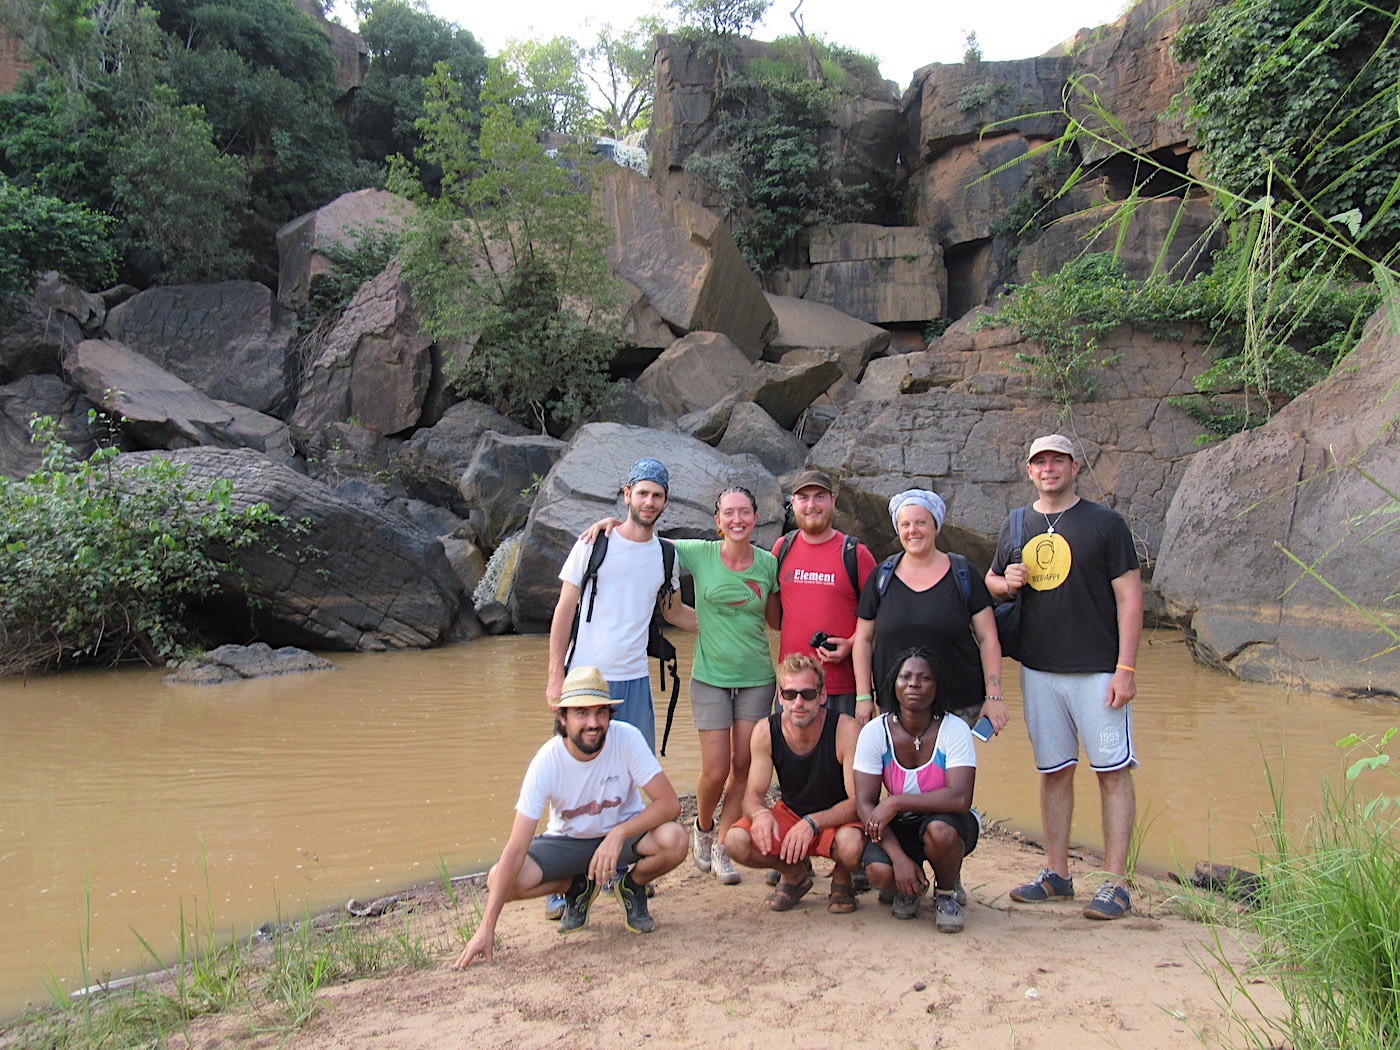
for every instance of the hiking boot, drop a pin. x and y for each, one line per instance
(633, 899)
(723, 867)
(701, 844)
(948, 914)
(1045, 886)
(887, 896)
(1111, 902)
(554, 906)
(576, 904)
(904, 906)
(960, 894)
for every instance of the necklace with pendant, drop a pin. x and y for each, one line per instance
(1050, 525)
(919, 737)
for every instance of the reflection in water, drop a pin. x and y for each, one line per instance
(294, 793)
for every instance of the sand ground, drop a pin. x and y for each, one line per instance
(722, 970)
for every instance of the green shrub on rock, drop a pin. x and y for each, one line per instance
(101, 556)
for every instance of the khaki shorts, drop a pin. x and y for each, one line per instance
(719, 707)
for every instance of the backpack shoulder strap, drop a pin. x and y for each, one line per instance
(884, 572)
(668, 566)
(848, 556)
(1018, 531)
(962, 575)
(590, 574)
(786, 547)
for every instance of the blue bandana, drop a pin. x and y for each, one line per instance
(649, 470)
(932, 501)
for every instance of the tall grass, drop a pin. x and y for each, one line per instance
(1326, 928)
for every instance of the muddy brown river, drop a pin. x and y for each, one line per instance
(123, 798)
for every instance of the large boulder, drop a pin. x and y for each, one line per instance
(681, 257)
(1186, 227)
(804, 325)
(697, 371)
(356, 578)
(157, 409)
(958, 421)
(961, 193)
(40, 395)
(35, 338)
(752, 430)
(300, 243)
(586, 482)
(229, 340)
(1316, 483)
(433, 461)
(879, 274)
(375, 364)
(785, 390)
(52, 292)
(502, 478)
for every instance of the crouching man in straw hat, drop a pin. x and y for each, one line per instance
(589, 774)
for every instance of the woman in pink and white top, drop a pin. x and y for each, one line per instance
(927, 764)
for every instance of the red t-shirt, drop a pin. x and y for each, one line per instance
(816, 594)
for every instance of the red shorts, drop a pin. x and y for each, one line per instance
(787, 820)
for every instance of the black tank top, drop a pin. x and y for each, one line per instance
(814, 781)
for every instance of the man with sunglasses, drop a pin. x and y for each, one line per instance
(812, 751)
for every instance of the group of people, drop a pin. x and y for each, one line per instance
(883, 671)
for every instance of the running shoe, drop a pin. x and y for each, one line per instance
(723, 867)
(1111, 902)
(701, 844)
(554, 906)
(576, 904)
(1045, 886)
(633, 899)
(904, 906)
(948, 914)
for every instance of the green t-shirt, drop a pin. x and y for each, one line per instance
(732, 650)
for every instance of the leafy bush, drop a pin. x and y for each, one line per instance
(1067, 313)
(100, 557)
(41, 233)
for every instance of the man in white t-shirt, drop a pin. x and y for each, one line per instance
(612, 636)
(589, 775)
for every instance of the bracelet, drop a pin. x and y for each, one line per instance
(863, 697)
(1001, 698)
(813, 824)
(1125, 667)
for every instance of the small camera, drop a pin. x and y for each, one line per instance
(822, 640)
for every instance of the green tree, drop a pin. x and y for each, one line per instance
(101, 556)
(40, 233)
(549, 72)
(510, 260)
(1295, 99)
(721, 17)
(619, 66)
(405, 43)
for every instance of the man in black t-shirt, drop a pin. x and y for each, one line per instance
(1080, 588)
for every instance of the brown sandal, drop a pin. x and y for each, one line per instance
(785, 896)
(842, 899)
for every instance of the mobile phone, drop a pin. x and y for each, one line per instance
(984, 729)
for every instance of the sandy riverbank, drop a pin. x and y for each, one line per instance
(722, 970)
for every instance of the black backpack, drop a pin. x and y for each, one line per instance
(848, 557)
(658, 645)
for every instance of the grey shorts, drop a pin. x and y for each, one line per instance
(1063, 710)
(719, 707)
(841, 703)
(560, 857)
(910, 833)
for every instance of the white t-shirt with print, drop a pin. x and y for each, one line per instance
(588, 799)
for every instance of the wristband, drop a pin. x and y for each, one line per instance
(813, 825)
(863, 697)
(1125, 667)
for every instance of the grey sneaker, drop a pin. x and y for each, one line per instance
(576, 904)
(554, 906)
(948, 914)
(905, 906)
(1111, 902)
(633, 899)
(723, 867)
(701, 844)
(960, 894)
(1045, 886)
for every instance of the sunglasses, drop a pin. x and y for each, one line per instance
(809, 694)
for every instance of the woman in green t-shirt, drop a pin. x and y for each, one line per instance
(732, 680)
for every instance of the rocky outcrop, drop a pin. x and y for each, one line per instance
(682, 258)
(229, 340)
(753, 431)
(300, 260)
(785, 390)
(954, 419)
(1314, 482)
(347, 48)
(696, 372)
(804, 325)
(157, 409)
(502, 477)
(373, 367)
(235, 663)
(1188, 228)
(35, 338)
(879, 274)
(584, 486)
(41, 395)
(433, 461)
(355, 578)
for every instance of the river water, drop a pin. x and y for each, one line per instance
(123, 799)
